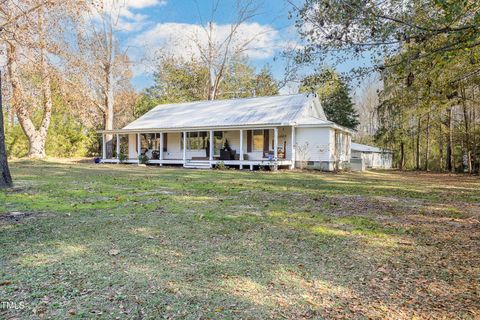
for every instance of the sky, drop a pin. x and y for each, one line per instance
(147, 27)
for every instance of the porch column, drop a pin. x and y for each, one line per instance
(241, 148)
(104, 147)
(184, 147)
(139, 147)
(118, 147)
(211, 145)
(160, 152)
(275, 143)
(293, 148)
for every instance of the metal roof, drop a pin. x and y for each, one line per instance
(367, 148)
(275, 110)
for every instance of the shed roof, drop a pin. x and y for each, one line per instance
(276, 110)
(367, 148)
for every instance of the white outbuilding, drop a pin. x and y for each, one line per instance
(372, 157)
(280, 131)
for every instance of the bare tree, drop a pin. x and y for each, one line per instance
(5, 177)
(36, 136)
(102, 68)
(217, 54)
(366, 104)
(30, 43)
(9, 17)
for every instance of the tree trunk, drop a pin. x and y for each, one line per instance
(449, 158)
(476, 165)
(427, 143)
(36, 138)
(10, 113)
(211, 92)
(417, 159)
(466, 120)
(402, 155)
(440, 146)
(109, 88)
(5, 177)
(37, 147)
(109, 112)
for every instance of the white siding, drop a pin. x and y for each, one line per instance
(332, 145)
(132, 146)
(173, 146)
(342, 146)
(374, 159)
(320, 144)
(378, 160)
(233, 138)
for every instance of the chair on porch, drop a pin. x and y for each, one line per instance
(268, 155)
(227, 154)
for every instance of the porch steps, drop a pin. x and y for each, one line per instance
(197, 164)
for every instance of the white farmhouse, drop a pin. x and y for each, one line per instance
(281, 131)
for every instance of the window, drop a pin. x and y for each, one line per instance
(257, 140)
(218, 138)
(195, 140)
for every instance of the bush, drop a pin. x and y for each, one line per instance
(143, 159)
(122, 157)
(220, 166)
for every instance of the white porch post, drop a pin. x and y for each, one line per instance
(160, 152)
(104, 147)
(241, 148)
(211, 145)
(184, 147)
(275, 143)
(118, 147)
(139, 147)
(293, 148)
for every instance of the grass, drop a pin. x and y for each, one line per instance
(105, 241)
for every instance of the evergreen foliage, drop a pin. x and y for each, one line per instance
(334, 96)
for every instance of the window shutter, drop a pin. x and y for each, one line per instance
(265, 141)
(165, 139)
(249, 140)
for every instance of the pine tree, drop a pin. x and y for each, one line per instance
(334, 96)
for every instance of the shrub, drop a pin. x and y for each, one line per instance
(143, 159)
(220, 166)
(123, 157)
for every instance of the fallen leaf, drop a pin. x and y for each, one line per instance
(113, 252)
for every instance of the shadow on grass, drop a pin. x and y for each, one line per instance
(197, 244)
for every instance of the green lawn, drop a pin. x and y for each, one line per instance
(105, 241)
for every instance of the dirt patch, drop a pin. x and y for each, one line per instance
(17, 217)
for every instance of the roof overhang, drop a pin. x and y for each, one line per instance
(197, 128)
(327, 125)
(373, 151)
(236, 127)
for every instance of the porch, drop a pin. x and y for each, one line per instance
(236, 147)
